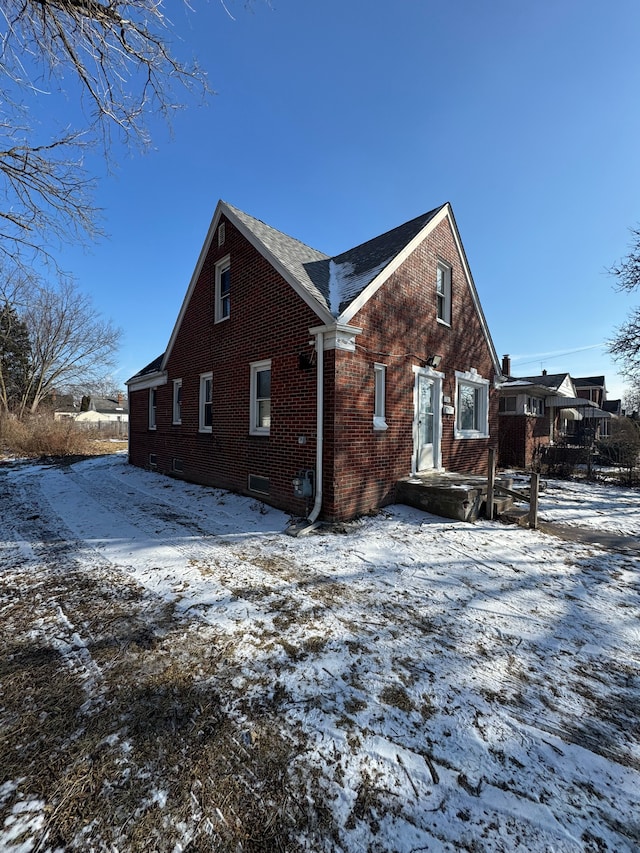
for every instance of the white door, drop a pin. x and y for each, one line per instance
(426, 427)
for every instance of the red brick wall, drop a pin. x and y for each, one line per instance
(268, 320)
(520, 438)
(400, 330)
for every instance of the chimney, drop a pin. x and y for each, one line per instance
(119, 398)
(544, 372)
(506, 365)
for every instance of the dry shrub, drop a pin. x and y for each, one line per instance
(40, 436)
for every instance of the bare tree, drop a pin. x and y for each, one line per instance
(111, 57)
(625, 345)
(70, 344)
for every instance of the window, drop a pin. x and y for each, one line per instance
(259, 484)
(177, 401)
(443, 293)
(206, 402)
(535, 406)
(153, 460)
(260, 398)
(472, 405)
(176, 465)
(153, 403)
(223, 284)
(508, 404)
(379, 372)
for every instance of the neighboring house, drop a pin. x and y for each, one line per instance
(537, 411)
(105, 410)
(63, 405)
(315, 383)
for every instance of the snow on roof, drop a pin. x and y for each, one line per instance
(345, 283)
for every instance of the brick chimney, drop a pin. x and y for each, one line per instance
(119, 398)
(544, 372)
(506, 365)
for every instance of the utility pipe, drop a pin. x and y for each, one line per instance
(317, 506)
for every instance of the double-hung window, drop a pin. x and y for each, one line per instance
(379, 417)
(177, 401)
(260, 398)
(443, 293)
(223, 290)
(206, 402)
(472, 405)
(153, 404)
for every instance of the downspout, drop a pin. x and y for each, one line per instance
(317, 506)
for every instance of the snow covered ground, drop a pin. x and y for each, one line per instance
(177, 672)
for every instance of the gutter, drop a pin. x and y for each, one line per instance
(317, 506)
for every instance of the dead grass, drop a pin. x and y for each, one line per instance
(40, 436)
(158, 754)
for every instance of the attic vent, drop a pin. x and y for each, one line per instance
(221, 234)
(259, 484)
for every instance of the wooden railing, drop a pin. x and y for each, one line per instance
(494, 489)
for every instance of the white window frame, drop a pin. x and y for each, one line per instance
(535, 406)
(203, 402)
(472, 379)
(221, 312)
(379, 396)
(153, 407)
(443, 293)
(254, 428)
(177, 402)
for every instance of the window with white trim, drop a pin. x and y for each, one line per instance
(153, 405)
(177, 401)
(535, 406)
(260, 423)
(472, 406)
(223, 290)
(205, 418)
(379, 416)
(443, 293)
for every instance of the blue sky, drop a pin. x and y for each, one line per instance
(337, 120)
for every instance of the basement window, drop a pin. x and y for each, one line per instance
(153, 460)
(261, 485)
(177, 465)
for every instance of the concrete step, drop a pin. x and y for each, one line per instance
(516, 515)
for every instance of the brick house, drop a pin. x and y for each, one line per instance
(536, 412)
(315, 383)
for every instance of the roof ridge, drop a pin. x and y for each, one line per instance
(237, 210)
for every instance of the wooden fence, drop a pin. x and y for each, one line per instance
(494, 488)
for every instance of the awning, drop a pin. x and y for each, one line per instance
(570, 414)
(596, 413)
(569, 402)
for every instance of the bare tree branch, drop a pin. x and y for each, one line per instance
(115, 59)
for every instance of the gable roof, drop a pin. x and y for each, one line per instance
(335, 288)
(589, 382)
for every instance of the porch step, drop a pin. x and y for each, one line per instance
(459, 496)
(516, 515)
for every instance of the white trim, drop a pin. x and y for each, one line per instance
(257, 367)
(149, 380)
(177, 393)
(379, 397)
(473, 379)
(437, 378)
(223, 265)
(204, 378)
(337, 336)
(153, 408)
(447, 273)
